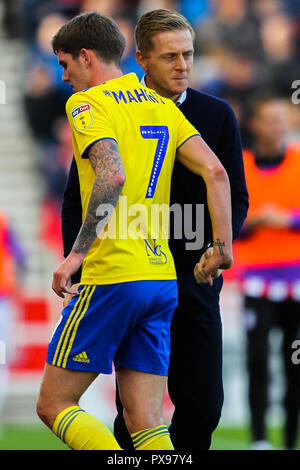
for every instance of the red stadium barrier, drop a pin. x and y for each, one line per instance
(31, 335)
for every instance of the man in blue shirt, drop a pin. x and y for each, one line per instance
(165, 51)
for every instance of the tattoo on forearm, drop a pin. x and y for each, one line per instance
(106, 161)
(220, 245)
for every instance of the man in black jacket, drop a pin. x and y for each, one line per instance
(165, 51)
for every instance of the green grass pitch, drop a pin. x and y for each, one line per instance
(40, 438)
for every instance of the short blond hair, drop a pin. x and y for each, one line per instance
(158, 21)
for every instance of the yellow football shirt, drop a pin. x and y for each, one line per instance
(148, 129)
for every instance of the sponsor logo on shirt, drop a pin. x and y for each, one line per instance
(82, 116)
(154, 252)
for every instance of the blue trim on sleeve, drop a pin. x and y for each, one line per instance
(194, 135)
(84, 154)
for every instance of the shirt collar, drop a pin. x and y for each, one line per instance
(180, 99)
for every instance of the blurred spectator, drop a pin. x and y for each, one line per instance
(231, 26)
(264, 8)
(148, 5)
(32, 13)
(45, 94)
(57, 160)
(281, 60)
(235, 77)
(269, 254)
(45, 97)
(128, 62)
(105, 7)
(238, 75)
(55, 168)
(11, 18)
(294, 123)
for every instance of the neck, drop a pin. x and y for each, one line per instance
(106, 72)
(269, 149)
(160, 91)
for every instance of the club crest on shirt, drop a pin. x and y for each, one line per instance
(82, 116)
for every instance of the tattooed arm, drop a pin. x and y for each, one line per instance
(109, 180)
(106, 161)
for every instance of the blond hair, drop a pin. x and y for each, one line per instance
(158, 21)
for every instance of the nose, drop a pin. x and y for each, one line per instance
(65, 77)
(181, 63)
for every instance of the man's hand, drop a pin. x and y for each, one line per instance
(210, 266)
(68, 297)
(61, 283)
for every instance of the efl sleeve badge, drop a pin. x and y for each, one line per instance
(82, 116)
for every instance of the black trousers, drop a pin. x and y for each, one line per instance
(261, 315)
(195, 381)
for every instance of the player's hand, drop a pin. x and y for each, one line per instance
(68, 297)
(61, 283)
(210, 266)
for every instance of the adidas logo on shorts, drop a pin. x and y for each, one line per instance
(81, 357)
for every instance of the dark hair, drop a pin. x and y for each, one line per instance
(158, 21)
(261, 97)
(91, 31)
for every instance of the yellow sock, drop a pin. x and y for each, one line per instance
(82, 431)
(152, 439)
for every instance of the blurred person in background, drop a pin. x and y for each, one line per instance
(261, 9)
(238, 76)
(128, 61)
(147, 5)
(165, 52)
(280, 56)
(11, 19)
(227, 54)
(44, 93)
(124, 14)
(231, 25)
(104, 7)
(269, 254)
(44, 96)
(32, 12)
(264, 8)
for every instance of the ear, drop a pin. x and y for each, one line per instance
(141, 60)
(86, 57)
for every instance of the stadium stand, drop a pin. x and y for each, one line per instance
(20, 195)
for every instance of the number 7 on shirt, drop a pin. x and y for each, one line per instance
(161, 133)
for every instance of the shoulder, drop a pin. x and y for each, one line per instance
(75, 100)
(85, 103)
(201, 98)
(213, 116)
(87, 95)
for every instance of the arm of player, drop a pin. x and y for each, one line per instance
(109, 180)
(196, 155)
